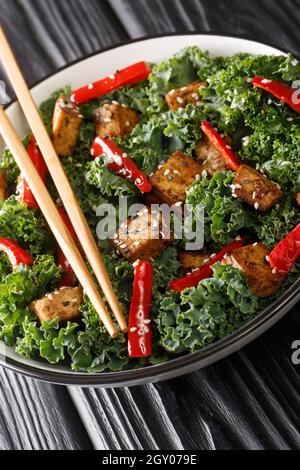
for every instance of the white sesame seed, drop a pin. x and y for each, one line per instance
(238, 186)
(274, 271)
(195, 95)
(115, 102)
(269, 101)
(137, 243)
(254, 195)
(123, 246)
(112, 76)
(180, 100)
(204, 174)
(255, 244)
(127, 123)
(147, 322)
(178, 204)
(256, 206)
(90, 86)
(265, 81)
(176, 172)
(172, 92)
(238, 238)
(290, 119)
(133, 329)
(268, 258)
(167, 172)
(107, 120)
(213, 256)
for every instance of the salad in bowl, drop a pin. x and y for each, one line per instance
(216, 135)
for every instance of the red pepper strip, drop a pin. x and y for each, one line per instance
(129, 76)
(192, 280)
(281, 91)
(24, 192)
(120, 163)
(140, 333)
(219, 143)
(69, 278)
(298, 199)
(286, 253)
(15, 253)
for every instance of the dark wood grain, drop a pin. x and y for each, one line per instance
(275, 21)
(248, 401)
(36, 415)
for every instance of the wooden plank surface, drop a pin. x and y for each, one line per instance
(248, 401)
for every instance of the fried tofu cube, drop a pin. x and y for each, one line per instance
(183, 96)
(171, 181)
(209, 157)
(3, 186)
(63, 303)
(255, 189)
(191, 260)
(115, 120)
(253, 261)
(141, 237)
(65, 126)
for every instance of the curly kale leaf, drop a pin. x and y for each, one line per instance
(224, 216)
(18, 289)
(26, 226)
(109, 184)
(273, 226)
(207, 313)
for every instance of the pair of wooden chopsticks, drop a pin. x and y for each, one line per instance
(65, 191)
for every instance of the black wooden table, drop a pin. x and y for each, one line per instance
(248, 401)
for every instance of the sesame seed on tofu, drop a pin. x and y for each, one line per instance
(63, 303)
(209, 157)
(253, 261)
(66, 125)
(140, 238)
(114, 120)
(256, 189)
(184, 171)
(183, 96)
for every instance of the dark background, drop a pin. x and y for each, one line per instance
(248, 401)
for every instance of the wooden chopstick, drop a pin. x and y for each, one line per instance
(54, 219)
(62, 183)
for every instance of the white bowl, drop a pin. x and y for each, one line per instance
(88, 70)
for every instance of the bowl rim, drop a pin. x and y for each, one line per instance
(182, 364)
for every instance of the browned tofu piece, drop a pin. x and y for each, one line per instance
(115, 120)
(3, 186)
(140, 238)
(255, 189)
(171, 181)
(209, 157)
(181, 97)
(63, 303)
(252, 259)
(191, 260)
(65, 126)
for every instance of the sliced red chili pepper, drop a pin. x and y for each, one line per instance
(120, 163)
(286, 253)
(135, 73)
(69, 278)
(15, 253)
(24, 192)
(284, 93)
(140, 333)
(205, 272)
(219, 143)
(298, 199)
